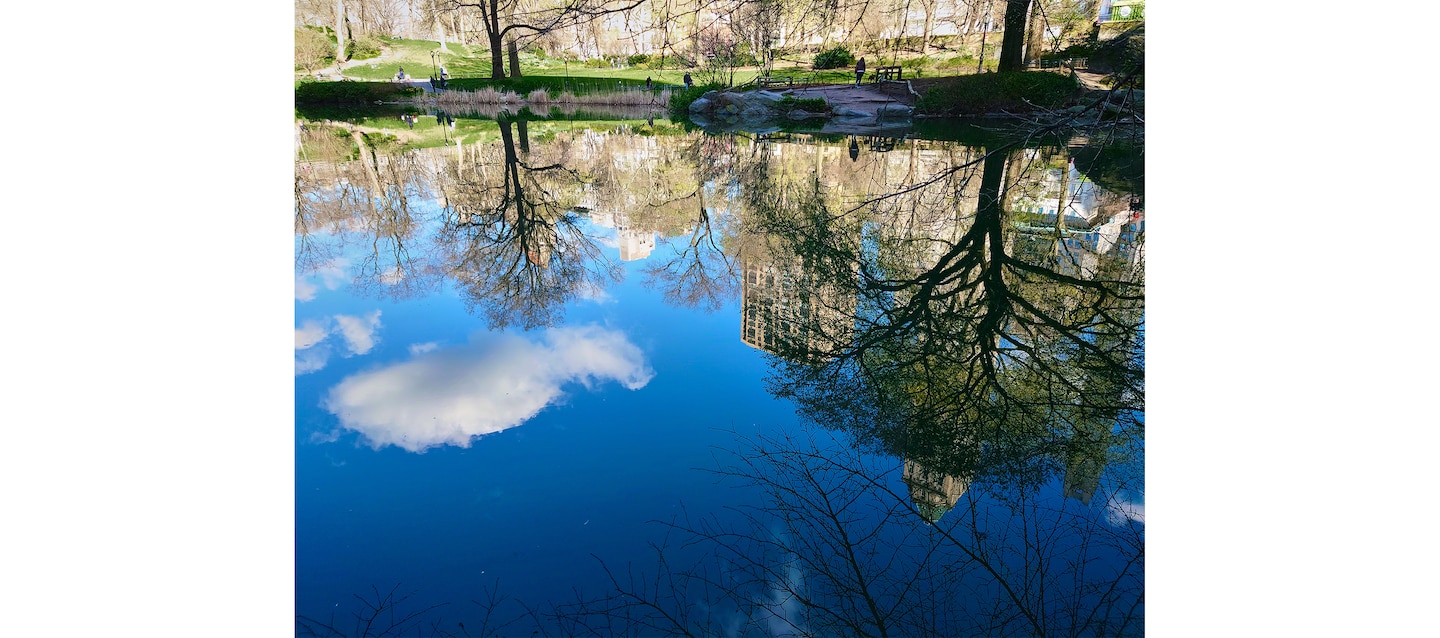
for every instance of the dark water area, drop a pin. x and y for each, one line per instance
(629, 378)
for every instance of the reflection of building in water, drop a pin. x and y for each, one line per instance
(1082, 477)
(932, 492)
(633, 243)
(1078, 199)
(785, 309)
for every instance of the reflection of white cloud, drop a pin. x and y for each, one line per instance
(1119, 510)
(359, 332)
(331, 275)
(450, 396)
(304, 290)
(310, 360)
(309, 333)
(592, 292)
(783, 614)
(392, 278)
(422, 348)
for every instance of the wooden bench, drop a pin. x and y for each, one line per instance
(766, 81)
(886, 73)
(1056, 64)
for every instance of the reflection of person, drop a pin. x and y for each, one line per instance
(854, 148)
(859, 71)
(688, 82)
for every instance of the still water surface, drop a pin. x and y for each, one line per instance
(630, 379)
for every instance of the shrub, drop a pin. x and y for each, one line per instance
(313, 50)
(364, 47)
(915, 64)
(989, 92)
(680, 100)
(639, 58)
(597, 63)
(349, 92)
(835, 58)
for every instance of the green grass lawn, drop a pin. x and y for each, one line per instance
(469, 68)
(414, 55)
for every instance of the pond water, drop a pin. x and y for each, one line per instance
(625, 378)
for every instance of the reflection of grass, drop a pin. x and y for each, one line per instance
(390, 132)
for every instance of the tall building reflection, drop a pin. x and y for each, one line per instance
(934, 493)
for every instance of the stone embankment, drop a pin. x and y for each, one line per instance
(851, 109)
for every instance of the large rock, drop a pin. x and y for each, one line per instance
(702, 105)
(756, 112)
(893, 112)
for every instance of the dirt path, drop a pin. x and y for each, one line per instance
(331, 73)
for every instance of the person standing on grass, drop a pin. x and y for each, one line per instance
(859, 71)
(688, 82)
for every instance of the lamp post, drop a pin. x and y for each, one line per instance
(435, 63)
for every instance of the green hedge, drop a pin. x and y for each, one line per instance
(835, 58)
(991, 92)
(347, 92)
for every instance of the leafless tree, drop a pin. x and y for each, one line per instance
(514, 238)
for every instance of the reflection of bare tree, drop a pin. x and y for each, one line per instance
(702, 274)
(1006, 377)
(365, 202)
(393, 265)
(838, 547)
(516, 247)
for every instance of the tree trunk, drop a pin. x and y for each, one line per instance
(930, 9)
(339, 32)
(1035, 39)
(1012, 41)
(490, 15)
(984, 34)
(514, 59)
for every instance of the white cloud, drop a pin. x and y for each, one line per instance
(422, 348)
(452, 395)
(359, 332)
(310, 333)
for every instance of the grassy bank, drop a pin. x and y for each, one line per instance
(1016, 92)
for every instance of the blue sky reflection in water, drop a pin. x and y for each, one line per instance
(517, 360)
